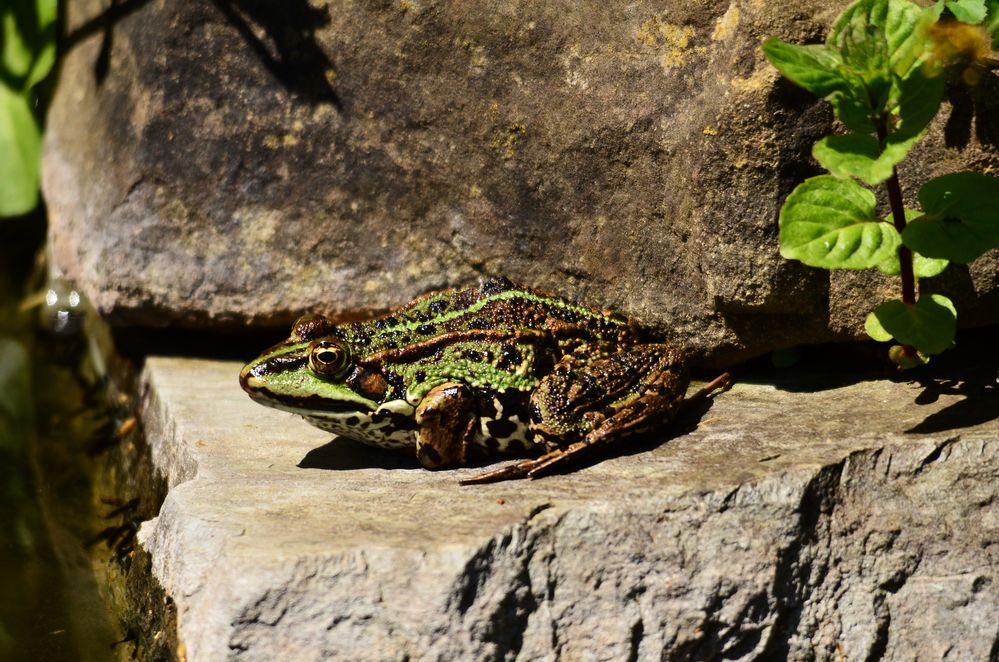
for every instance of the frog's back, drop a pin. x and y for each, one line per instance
(496, 308)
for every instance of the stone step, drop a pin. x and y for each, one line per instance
(807, 519)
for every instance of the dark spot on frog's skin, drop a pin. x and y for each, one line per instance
(352, 421)
(491, 444)
(396, 383)
(426, 329)
(473, 355)
(422, 317)
(495, 284)
(511, 356)
(478, 323)
(391, 345)
(487, 408)
(501, 428)
(421, 376)
(437, 307)
(386, 322)
(362, 340)
(535, 413)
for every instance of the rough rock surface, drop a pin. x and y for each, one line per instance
(241, 160)
(811, 520)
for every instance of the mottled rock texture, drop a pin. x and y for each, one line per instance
(807, 520)
(245, 160)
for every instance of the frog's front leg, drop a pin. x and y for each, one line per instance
(596, 395)
(445, 419)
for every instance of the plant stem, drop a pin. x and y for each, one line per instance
(898, 217)
(904, 254)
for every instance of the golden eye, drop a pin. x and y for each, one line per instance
(328, 358)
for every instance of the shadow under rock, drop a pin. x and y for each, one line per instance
(822, 368)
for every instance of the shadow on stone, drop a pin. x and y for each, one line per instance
(290, 51)
(105, 22)
(821, 368)
(348, 455)
(976, 106)
(980, 403)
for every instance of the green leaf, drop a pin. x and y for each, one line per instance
(19, 154)
(813, 67)
(899, 20)
(882, 42)
(916, 100)
(853, 109)
(961, 217)
(967, 11)
(928, 325)
(922, 267)
(992, 22)
(828, 222)
(27, 41)
(970, 196)
(861, 155)
(952, 240)
(875, 330)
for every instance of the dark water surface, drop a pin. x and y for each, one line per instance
(50, 606)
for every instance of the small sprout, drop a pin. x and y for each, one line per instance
(883, 68)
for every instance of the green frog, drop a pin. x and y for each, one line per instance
(492, 368)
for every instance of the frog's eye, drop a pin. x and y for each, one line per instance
(329, 359)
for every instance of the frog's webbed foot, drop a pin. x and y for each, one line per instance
(625, 420)
(445, 419)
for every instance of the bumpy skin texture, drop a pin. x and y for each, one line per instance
(596, 381)
(494, 367)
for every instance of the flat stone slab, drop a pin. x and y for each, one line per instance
(804, 520)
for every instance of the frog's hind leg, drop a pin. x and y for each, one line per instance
(597, 395)
(445, 419)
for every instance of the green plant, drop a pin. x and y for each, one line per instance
(883, 68)
(27, 53)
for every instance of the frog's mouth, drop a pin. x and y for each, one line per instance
(304, 405)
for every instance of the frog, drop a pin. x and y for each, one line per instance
(491, 369)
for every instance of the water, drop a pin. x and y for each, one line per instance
(50, 605)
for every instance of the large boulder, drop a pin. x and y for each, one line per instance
(244, 161)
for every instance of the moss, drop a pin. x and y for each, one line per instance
(505, 141)
(671, 40)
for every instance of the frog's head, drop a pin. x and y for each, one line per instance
(314, 373)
